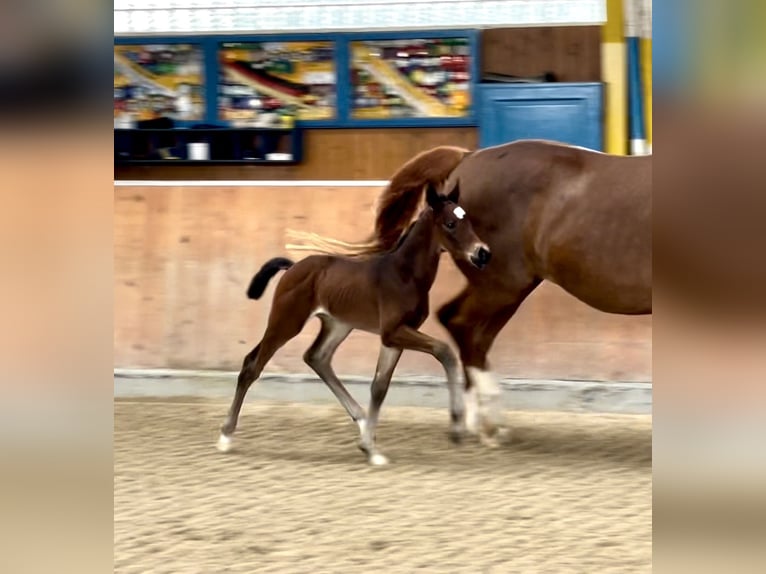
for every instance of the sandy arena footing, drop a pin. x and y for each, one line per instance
(571, 492)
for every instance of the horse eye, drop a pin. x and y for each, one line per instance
(450, 225)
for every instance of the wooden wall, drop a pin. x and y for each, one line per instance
(184, 257)
(573, 53)
(334, 154)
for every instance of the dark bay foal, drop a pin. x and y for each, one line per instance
(385, 294)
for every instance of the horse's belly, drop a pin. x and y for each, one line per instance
(611, 284)
(620, 299)
(599, 252)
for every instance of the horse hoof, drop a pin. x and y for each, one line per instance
(489, 441)
(224, 443)
(494, 437)
(378, 459)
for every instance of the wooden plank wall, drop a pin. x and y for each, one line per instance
(184, 257)
(573, 53)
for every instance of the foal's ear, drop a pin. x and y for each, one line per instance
(454, 195)
(432, 196)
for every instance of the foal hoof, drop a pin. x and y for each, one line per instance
(224, 443)
(457, 434)
(378, 459)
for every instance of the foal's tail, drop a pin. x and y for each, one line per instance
(262, 278)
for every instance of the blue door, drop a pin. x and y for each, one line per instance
(569, 113)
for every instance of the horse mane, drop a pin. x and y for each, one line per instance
(397, 205)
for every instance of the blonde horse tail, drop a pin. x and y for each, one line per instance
(305, 241)
(396, 206)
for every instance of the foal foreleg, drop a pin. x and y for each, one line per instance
(387, 360)
(408, 338)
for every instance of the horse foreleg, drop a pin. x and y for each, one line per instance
(387, 360)
(474, 319)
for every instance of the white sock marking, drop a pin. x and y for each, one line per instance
(224, 443)
(484, 381)
(378, 459)
(471, 411)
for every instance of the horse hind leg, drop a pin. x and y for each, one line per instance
(319, 358)
(247, 377)
(284, 324)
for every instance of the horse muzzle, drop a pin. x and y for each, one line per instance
(480, 256)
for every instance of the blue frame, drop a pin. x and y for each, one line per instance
(341, 41)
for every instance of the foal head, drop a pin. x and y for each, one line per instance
(453, 229)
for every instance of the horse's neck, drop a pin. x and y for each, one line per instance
(420, 249)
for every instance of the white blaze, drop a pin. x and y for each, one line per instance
(459, 212)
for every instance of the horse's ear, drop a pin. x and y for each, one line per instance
(454, 195)
(432, 196)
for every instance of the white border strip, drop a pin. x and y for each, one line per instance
(249, 183)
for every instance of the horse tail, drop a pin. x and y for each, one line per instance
(396, 206)
(261, 279)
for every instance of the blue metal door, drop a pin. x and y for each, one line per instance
(569, 113)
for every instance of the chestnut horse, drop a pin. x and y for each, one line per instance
(385, 294)
(548, 211)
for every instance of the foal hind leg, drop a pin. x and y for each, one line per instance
(319, 358)
(282, 327)
(387, 360)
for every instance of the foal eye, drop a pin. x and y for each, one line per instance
(450, 225)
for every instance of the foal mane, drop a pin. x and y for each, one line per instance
(397, 205)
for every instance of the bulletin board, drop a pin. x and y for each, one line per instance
(343, 80)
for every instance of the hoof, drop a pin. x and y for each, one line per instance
(378, 459)
(224, 443)
(489, 441)
(494, 437)
(457, 434)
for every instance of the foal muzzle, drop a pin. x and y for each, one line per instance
(480, 256)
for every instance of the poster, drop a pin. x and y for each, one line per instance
(413, 78)
(265, 84)
(158, 80)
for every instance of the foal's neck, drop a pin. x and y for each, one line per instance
(420, 250)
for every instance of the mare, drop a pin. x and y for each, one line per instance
(548, 211)
(385, 294)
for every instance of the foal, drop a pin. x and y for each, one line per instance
(384, 294)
